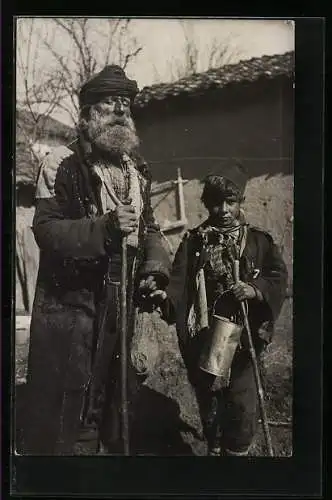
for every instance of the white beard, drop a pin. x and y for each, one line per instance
(108, 136)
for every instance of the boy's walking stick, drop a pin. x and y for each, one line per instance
(258, 381)
(124, 354)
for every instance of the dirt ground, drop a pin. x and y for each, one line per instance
(167, 420)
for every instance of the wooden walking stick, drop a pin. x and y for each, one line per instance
(124, 350)
(123, 337)
(258, 381)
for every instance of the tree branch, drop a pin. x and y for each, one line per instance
(115, 25)
(218, 54)
(73, 35)
(130, 56)
(58, 88)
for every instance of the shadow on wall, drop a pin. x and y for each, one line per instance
(253, 123)
(198, 168)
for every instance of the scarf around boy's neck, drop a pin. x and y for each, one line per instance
(218, 239)
(238, 223)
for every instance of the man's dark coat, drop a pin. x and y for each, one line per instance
(76, 248)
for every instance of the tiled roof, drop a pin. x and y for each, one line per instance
(46, 127)
(244, 71)
(26, 164)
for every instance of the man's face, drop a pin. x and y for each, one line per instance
(226, 212)
(116, 108)
(110, 126)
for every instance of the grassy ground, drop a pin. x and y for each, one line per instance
(167, 417)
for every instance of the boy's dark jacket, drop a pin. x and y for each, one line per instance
(76, 246)
(260, 254)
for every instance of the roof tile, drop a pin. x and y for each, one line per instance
(248, 70)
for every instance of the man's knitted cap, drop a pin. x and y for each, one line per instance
(111, 80)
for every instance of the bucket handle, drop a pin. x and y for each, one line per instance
(224, 293)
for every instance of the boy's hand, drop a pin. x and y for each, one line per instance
(243, 291)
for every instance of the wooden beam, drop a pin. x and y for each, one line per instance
(164, 186)
(173, 225)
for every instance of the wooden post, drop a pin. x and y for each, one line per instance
(181, 221)
(183, 217)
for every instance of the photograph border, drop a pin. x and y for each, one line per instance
(154, 477)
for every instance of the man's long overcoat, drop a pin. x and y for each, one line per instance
(71, 231)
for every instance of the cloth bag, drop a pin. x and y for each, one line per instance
(145, 348)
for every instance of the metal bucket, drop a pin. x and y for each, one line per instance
(222, 340)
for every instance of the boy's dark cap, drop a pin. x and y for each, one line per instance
(235, 172)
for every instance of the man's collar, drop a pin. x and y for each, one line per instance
(85, 147)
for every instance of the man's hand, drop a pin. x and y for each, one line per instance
(123, 218)
(243, 291)
(158, 297)
(149, 290)
(148, 286)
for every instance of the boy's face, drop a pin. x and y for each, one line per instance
(224, 212)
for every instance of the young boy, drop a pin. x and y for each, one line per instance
(229, 413)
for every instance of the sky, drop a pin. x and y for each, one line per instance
(163, 44)
(164, 38)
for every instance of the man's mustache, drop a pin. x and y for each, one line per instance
(117, 121)
(120, 121)
(108, 126)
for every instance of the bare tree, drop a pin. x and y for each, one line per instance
(75, 49)
(37, 96)
(194, 60)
